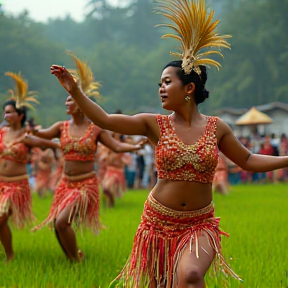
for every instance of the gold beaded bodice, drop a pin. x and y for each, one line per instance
(79, 149)
(16, 152)
(176, 160)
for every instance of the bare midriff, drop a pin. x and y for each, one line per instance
(10, 168)
(73, 168)
(182, 195)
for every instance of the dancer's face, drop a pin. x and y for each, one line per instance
(11, 115)
(71, 106)
(171, 91)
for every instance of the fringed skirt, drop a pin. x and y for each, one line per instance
(79, 193)
(160, 240)
(114, 180)
(55, 177)
(42, 178)
(15, 199)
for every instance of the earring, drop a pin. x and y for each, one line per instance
(187, 98)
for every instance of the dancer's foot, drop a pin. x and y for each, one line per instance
(80, 256)
(9, 258)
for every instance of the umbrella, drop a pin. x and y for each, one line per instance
(254, 117)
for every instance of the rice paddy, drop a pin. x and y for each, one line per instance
(255, 216)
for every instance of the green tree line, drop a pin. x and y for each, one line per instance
(126, 54)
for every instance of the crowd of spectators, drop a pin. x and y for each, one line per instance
(266, 145)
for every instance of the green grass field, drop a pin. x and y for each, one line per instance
(255, 216)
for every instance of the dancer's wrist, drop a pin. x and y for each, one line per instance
(35, 131)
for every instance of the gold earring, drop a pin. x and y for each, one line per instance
(187, 98)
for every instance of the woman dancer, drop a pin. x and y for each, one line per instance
(76, 198)
(15, 197)
(220, 182)
(179, 236)
(43, 170)
(114, 181)
(57, 170)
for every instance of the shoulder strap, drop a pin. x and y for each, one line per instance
(64, 129)
(212, 128)
(163, 122)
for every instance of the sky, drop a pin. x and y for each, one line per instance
(42, 10)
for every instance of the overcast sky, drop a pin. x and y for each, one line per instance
(42, 10)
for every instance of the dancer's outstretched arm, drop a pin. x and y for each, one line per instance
(139, 124)
(48, 133)
(106, 139)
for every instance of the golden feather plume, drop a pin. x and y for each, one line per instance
(21, 94)
(85, 75)
(195, 30)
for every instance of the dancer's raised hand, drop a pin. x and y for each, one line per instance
(64, 77)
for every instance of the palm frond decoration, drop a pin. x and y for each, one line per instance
(195, 30)
(84, 74)
(21, 95)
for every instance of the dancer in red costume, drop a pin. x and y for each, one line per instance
(15, 197)
(220, 182)
(179, 236)
(57, 170)
(101, 161)
(76, 198)
(114, 181)
(43, 170)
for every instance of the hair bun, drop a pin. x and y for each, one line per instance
(205, 93)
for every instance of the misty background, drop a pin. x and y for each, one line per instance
(126, 54)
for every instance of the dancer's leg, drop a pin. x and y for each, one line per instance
(191, 270)
(6, 237)
(67, 237)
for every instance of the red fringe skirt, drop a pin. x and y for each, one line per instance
(81, 194)
(42, 178)
(114, 180)
(162, 236)
(55, 177)
(15, 199)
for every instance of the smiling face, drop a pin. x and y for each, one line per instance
(71, 106)
(172, 91)
(11, 115)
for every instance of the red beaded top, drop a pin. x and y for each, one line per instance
(16, 152)
(79, 149)
(176, 160)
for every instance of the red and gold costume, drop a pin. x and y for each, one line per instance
(101, 161)
(16, 152)
(43, 170)
(15, 194)
(56, 174)
(163, 233)
(221, 172)
(114, 179)
(79, 192)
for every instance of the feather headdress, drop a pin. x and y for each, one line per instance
(21, 94)
(195, 31)
(85, 75)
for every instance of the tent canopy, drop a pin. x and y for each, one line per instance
(253, 117)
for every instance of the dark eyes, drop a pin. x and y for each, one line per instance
(167, 82)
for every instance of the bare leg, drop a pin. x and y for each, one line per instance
(191, 270)
(67, 237)
(109, 195)
(6, 238)
(59, 241)
(221, 188)
(41, 192)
